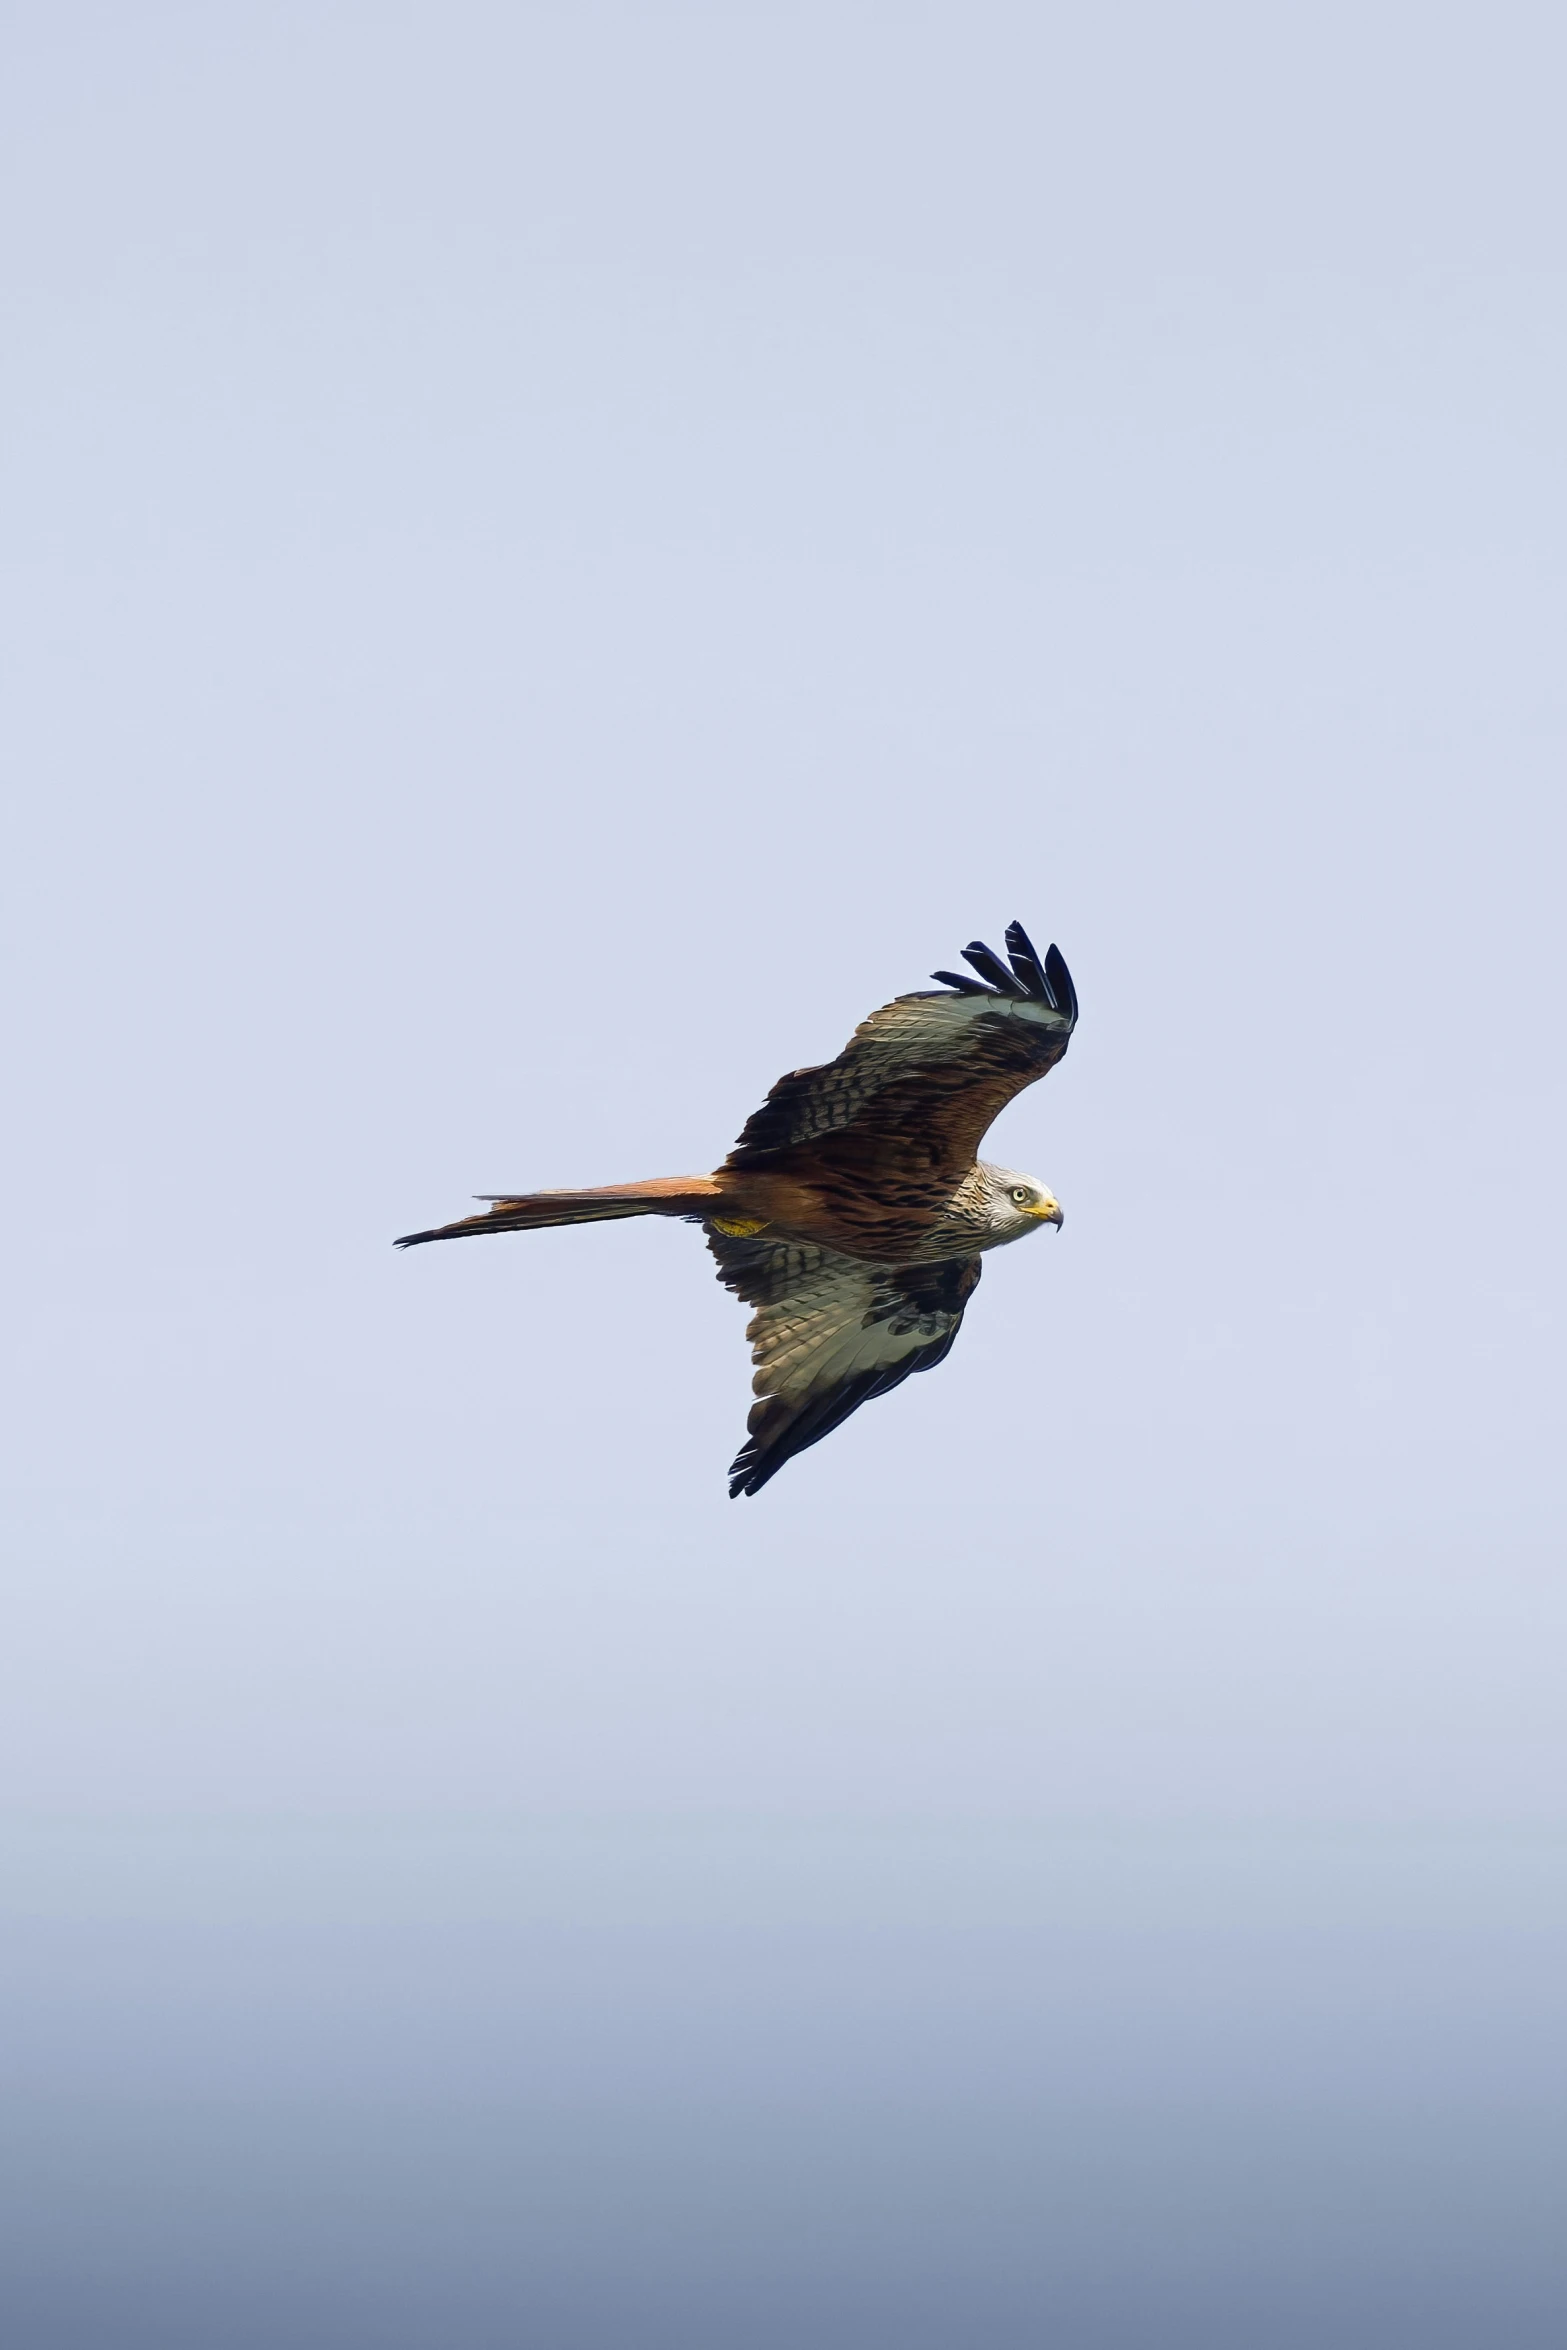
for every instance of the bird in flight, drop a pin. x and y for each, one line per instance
(854, 1212)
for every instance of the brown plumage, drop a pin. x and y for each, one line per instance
(853, 1211)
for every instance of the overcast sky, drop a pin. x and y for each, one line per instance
(552, 558)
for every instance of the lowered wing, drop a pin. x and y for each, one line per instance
(829, 1332)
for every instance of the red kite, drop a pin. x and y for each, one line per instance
(854, 1211)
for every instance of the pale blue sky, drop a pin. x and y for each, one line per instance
(552, 558)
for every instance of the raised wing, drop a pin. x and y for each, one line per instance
(830, 1332)
(929, 1072)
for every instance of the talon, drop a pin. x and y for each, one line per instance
(739, 1227)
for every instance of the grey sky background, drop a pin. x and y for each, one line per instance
(551, 559)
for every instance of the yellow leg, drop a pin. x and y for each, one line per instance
(739, 1227)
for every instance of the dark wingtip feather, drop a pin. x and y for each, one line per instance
(991, 967)
(1060, 979)
(961, 981)
(752, 1468)
(1027, 964)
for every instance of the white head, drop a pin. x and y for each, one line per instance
(1016, 1203)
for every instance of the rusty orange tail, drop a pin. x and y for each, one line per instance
(532, 1211)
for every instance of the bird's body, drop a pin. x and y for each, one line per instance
(853, 1211)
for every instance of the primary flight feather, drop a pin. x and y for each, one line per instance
(854, 1210)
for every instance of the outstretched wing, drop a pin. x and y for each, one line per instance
(830, 1332)
(928, 1073)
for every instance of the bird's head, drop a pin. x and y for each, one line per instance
(1017, 1203)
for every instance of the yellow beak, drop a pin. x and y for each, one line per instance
(1048, 1212)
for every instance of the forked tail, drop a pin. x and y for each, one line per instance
(532, 1211)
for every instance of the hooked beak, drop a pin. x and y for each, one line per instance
(1048, 1212)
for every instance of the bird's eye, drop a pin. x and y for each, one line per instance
(1020, 1195)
